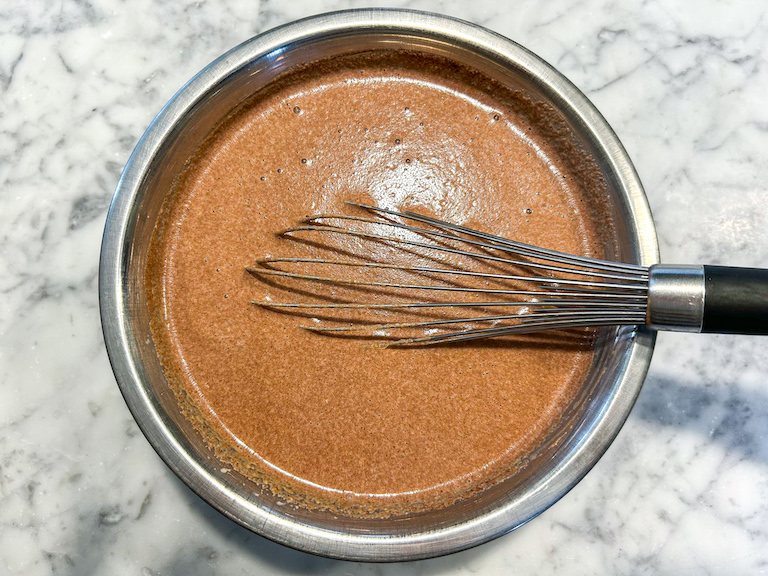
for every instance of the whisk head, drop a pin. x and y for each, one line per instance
(408, 279)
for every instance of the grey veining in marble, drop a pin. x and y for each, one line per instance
(683, 490)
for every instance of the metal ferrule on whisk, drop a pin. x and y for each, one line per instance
(675, 298)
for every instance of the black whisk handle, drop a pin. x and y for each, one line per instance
(735, 300)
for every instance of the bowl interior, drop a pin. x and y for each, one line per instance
(583, 433)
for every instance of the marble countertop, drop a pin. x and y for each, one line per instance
(683, 489)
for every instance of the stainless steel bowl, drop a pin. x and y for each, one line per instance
(585, 431)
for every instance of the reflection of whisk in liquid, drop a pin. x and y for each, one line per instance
(429, 281)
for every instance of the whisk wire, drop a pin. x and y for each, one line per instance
(527, 318)
(459, 252)
(509, 244)
(565, 292)
(639, 286)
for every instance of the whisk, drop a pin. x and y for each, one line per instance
(519, 288)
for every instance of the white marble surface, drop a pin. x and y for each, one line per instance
(683, 490)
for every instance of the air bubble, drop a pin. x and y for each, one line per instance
(528, 211)
(397, 140)
(496, 117)
(303, 160)
(262, 178)
(296, 110)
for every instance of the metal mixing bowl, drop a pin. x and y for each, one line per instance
(585, 431)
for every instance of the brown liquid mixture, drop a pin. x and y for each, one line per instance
(328, 422)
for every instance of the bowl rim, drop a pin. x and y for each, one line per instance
(371, 547)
